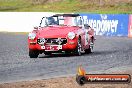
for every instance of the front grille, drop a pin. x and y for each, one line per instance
(41, 41)
(57, 41)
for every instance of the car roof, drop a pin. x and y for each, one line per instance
(66, 15)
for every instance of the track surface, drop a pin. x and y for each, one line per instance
(15, 64)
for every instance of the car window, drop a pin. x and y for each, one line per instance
(67, 21)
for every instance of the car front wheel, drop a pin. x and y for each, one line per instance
(78, 48)
(47, 53)
(33, 53)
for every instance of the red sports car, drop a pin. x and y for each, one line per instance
(61, 33)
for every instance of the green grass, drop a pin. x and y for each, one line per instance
(67, 6)
(12, 5)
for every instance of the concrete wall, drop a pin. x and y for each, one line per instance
(20, 21)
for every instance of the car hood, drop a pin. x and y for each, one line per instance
(55, 31)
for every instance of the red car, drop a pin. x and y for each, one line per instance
(61, 33)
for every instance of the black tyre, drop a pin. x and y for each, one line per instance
(33, 53)
(78, 48)
(47, 53)
(87, 51)
(68, 52)
(90, 49)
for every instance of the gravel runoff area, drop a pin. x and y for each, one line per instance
(111, 54)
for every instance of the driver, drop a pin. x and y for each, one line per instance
(51, 21)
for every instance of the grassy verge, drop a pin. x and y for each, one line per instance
(64, 6)
(13, 5)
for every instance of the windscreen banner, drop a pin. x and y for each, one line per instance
(108, 24)
(130, 26)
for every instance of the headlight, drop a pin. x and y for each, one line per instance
(32, 36)
(71, 35)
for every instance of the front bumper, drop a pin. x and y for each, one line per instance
(70, 45)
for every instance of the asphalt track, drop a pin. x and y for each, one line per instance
(15, 64)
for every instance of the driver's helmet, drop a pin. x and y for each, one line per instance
(51, 21)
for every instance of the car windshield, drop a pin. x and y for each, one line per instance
(61, 21)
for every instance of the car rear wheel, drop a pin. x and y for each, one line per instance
(78, 48)
(90, 49)
(87, 51)
(33, 53)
